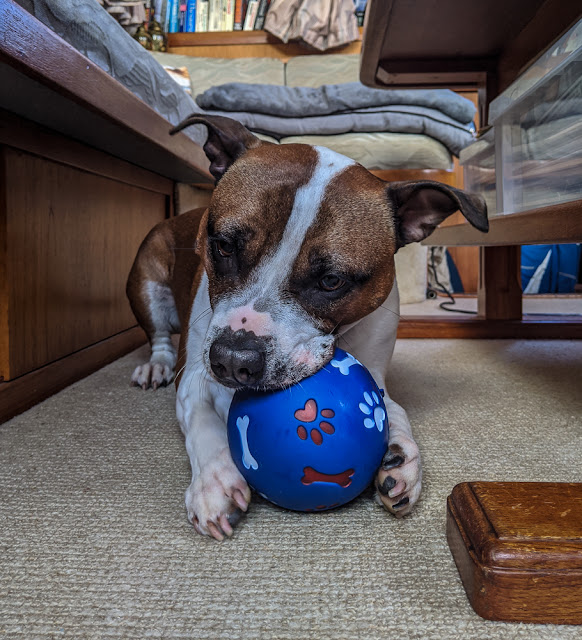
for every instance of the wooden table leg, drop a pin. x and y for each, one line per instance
(499, 296)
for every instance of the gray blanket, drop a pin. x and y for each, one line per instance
(281, 112)
(296, 102)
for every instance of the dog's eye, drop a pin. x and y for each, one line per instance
(331, 282)
(224, 248)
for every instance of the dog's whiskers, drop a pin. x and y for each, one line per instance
(199, 317)
(178, 373)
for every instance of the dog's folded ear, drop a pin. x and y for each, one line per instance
(227, 140)
(419, 207)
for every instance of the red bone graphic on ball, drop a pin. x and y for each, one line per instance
(344, 479)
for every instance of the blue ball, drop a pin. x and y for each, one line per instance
(315, 445)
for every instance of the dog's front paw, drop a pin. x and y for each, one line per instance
(152, 374)
(399, 478)
(217, 498)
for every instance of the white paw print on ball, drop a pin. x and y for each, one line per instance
(372, 405)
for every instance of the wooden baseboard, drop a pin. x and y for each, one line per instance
(20, 394)
(529, 327)
(24, 392)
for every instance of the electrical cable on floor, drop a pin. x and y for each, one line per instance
(444, 305)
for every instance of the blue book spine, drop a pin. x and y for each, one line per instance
(191, 16)
(174, 9)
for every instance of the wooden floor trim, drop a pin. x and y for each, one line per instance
(529, 328)
(20, 394)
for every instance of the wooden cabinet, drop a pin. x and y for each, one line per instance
(86, 169)
(71, 221)
(70, 239)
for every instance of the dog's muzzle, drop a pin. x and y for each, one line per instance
(237, 359)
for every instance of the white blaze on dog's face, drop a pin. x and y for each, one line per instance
(304, 243)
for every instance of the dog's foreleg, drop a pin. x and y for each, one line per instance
(161, 322)
(399, 478)
(218, 494)
(371, 340)
(152, 302)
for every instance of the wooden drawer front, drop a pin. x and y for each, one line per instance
(70, 239)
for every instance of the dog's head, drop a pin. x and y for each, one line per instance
(297, 241)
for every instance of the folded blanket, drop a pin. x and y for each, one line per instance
(399, 119)
(296, 102)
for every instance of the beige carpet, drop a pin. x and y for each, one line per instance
(94, 542)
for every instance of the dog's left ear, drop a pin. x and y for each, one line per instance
(419, 207)
(227, 140)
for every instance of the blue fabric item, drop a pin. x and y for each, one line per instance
(561, 272)
(454, 277)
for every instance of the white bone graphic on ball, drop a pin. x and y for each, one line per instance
(248, 461)
(345, 364)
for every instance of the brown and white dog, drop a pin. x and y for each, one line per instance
(294, 253)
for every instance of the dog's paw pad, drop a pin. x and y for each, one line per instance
(398, 480)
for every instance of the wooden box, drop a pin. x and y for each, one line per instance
(518, 549)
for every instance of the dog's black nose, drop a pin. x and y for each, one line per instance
(238, 359)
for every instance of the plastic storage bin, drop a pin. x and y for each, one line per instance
(478, 162)
(538, 131)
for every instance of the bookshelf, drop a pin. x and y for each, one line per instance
(245, 44)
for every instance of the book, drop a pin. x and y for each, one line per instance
(214, 15)
(240, 9)
(201, 16)
(191, 16)
(261, 13)
(173, 12)
(251, 15)
(229, 19)
(182, 6)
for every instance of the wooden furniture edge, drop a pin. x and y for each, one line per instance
(527, 328)
(55, 64)
(20, 394)
(4, 286)
(494, 71)
(372, 46)
(546, 26)
(225, 38)
(396, 175)
(28, 136)
(554, 224)
(459, 75)
(496, 585)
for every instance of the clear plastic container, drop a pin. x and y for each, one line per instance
(478, 162)
(538, 131)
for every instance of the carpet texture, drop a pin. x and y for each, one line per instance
(94, 541)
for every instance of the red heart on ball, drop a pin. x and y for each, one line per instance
(308, 413)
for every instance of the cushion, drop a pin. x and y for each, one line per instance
(383, 151)
(210, 72)
(314, 71)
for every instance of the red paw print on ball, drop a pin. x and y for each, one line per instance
(309, 414)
